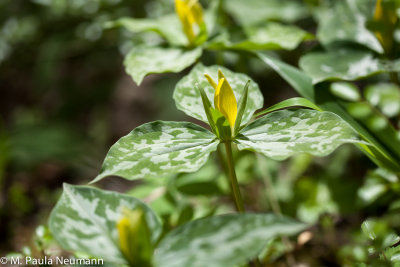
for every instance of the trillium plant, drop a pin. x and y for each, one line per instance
(124, 230)
(129, 231)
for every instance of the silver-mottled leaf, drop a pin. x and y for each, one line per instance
(268, 36)
(188, 99)
(85, 218)
(251, 12)
(284, 133)
(343, 64)
(168, 26)
(157, 149)
(346, 21)
(144, 60)
(227, 240)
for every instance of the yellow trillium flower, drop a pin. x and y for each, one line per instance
(224, 98)
(190, 14)
(134, 237)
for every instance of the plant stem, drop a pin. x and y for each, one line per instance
(232, 177)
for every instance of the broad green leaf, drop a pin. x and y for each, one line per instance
(168, 26)
(188, 99)
(144, 60)
(157, 149)
(291, 102)
(386, 97)
(85, 218)
(343, 64)
(283, 133)
(346, 91)
(346, 21)
(383, 153)
(269, 36)
(227, 240)
(251, 12)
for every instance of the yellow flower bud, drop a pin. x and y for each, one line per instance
(190, 14)
(134, 238)
(224, 98)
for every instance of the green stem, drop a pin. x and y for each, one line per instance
(233, 179)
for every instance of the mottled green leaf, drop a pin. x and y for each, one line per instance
(268, 36)
(343, 64)
(283, 133)
(385, 96)
(188, 99)
(346, 21)
(227, 240)
(85, 218)
(157, 149)
(144, 60)
(168, 26)
(252, 12)
(383, 152)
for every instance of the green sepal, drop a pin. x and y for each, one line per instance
(241, 108)
(207, 107)
(223, 129)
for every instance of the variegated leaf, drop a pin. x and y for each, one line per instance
(269, 36)
(85, 218)
(346, 21)
(344, 64)
(157, 149)
(168, 26)
(284, 133)
(188, 99)
(252, 12)
(227, 240)
(144, 60)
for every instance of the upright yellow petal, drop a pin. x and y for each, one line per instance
(190, 14)
(225, 101)
(211, 81)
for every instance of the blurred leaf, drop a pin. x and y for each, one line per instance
(281, 134)
(346, 91)
(344, 64)
(346, 21)
(312, 199)
(384, 96)
(269, 36)
(157, 149)
(227, 240)
(188, 99)
(168, 26)
(30, 145)
(203, 182)
(383, 153)
(253, 12)
(144, 60)
(377, 184)
(85, 218)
